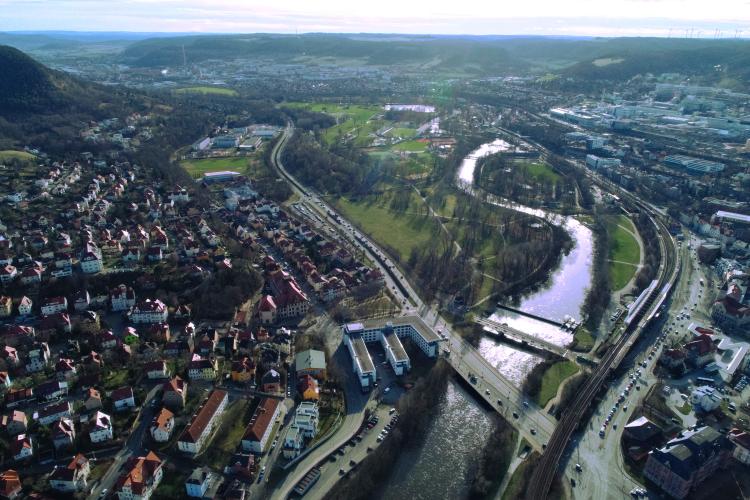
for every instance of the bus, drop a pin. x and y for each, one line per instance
(705, 380)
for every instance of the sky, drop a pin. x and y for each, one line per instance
(709, 19)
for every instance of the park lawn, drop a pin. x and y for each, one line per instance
(401, 232)
(228, 436)
(623, 246)
(552, 379)
(517, 482)
(624, 249)
(207, 90)
(620, 274)
(583, 341)
(196, 168)
(116, 379)
(402, 132)
(542, 172)
(410, 146)
(8, 154)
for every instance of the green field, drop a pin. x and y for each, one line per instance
(413, 164)
(624, 251)
(410, 146)
(228, 436)
(542, 172)
(207, 90)
(402, 232)
(402, 132)
(19, 155)
(552, 379)
(196, 168)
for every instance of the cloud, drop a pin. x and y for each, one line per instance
(579, 17)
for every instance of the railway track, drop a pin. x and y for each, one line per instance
(543, 475)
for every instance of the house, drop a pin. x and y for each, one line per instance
(17, 397)
(149, 311)
(267, 310)
(162, 426)
(65, 369)
(6, 306)
(308, 388)
(243, 370)
(741, 442)
(687, 460)
(91, 263)
(241, 465)
(141, 478)
(63, 433)
(705, 399)
(174, 393)
(72, 478)
(294, 442)
(271, 382)
(51, 389)
(198, 482)
(38, 357)
(10, 485)
(100, 429)
(22, 447)
(8, 273)
(310, 362)
(14, 422)
(93, 400)
(156, 369)
(159, 332)
(30, 276)
(122, 298)
(259, 428)
(54, 305)
(24, 306)
(197, 432)
(700, 351)
(53, 412)
(81, 300)
(123, 398)
(306, 418)
(201, 368)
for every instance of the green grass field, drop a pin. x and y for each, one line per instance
(552, 379)
(624, 250)
(207, 90)
(196, 168)
(402, 132)
(19, 155)
(410, 146)
(402, 232)
(229, 435)
(542, 172)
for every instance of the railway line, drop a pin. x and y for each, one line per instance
(669, 268)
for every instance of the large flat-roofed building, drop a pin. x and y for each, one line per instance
(722, 216)
(389, 332)
(394, 351)
(361, 361)
(694, 165)
(223, 176)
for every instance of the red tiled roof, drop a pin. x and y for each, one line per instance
(261, 419)
(204, 416)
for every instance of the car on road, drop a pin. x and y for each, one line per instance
(533, 432)
(515, 415)
(487, 392)
(499, 403)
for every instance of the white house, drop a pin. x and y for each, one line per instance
(149, 311)
(54, 305)
(72, 478)
(101, 428)
(705, 398)
(122, 298)
(162, 426)
(198, 482)
(91, 263)
(123, 398)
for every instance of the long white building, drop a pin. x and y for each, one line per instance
(389, 333)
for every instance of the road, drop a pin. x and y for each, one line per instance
(469, 359)
(134, 446)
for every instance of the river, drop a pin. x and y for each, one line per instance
(438, 468)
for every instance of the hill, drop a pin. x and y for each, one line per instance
(455, 54)
(708, 60)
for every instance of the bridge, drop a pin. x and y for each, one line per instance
(532, 315)
(504, 330)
